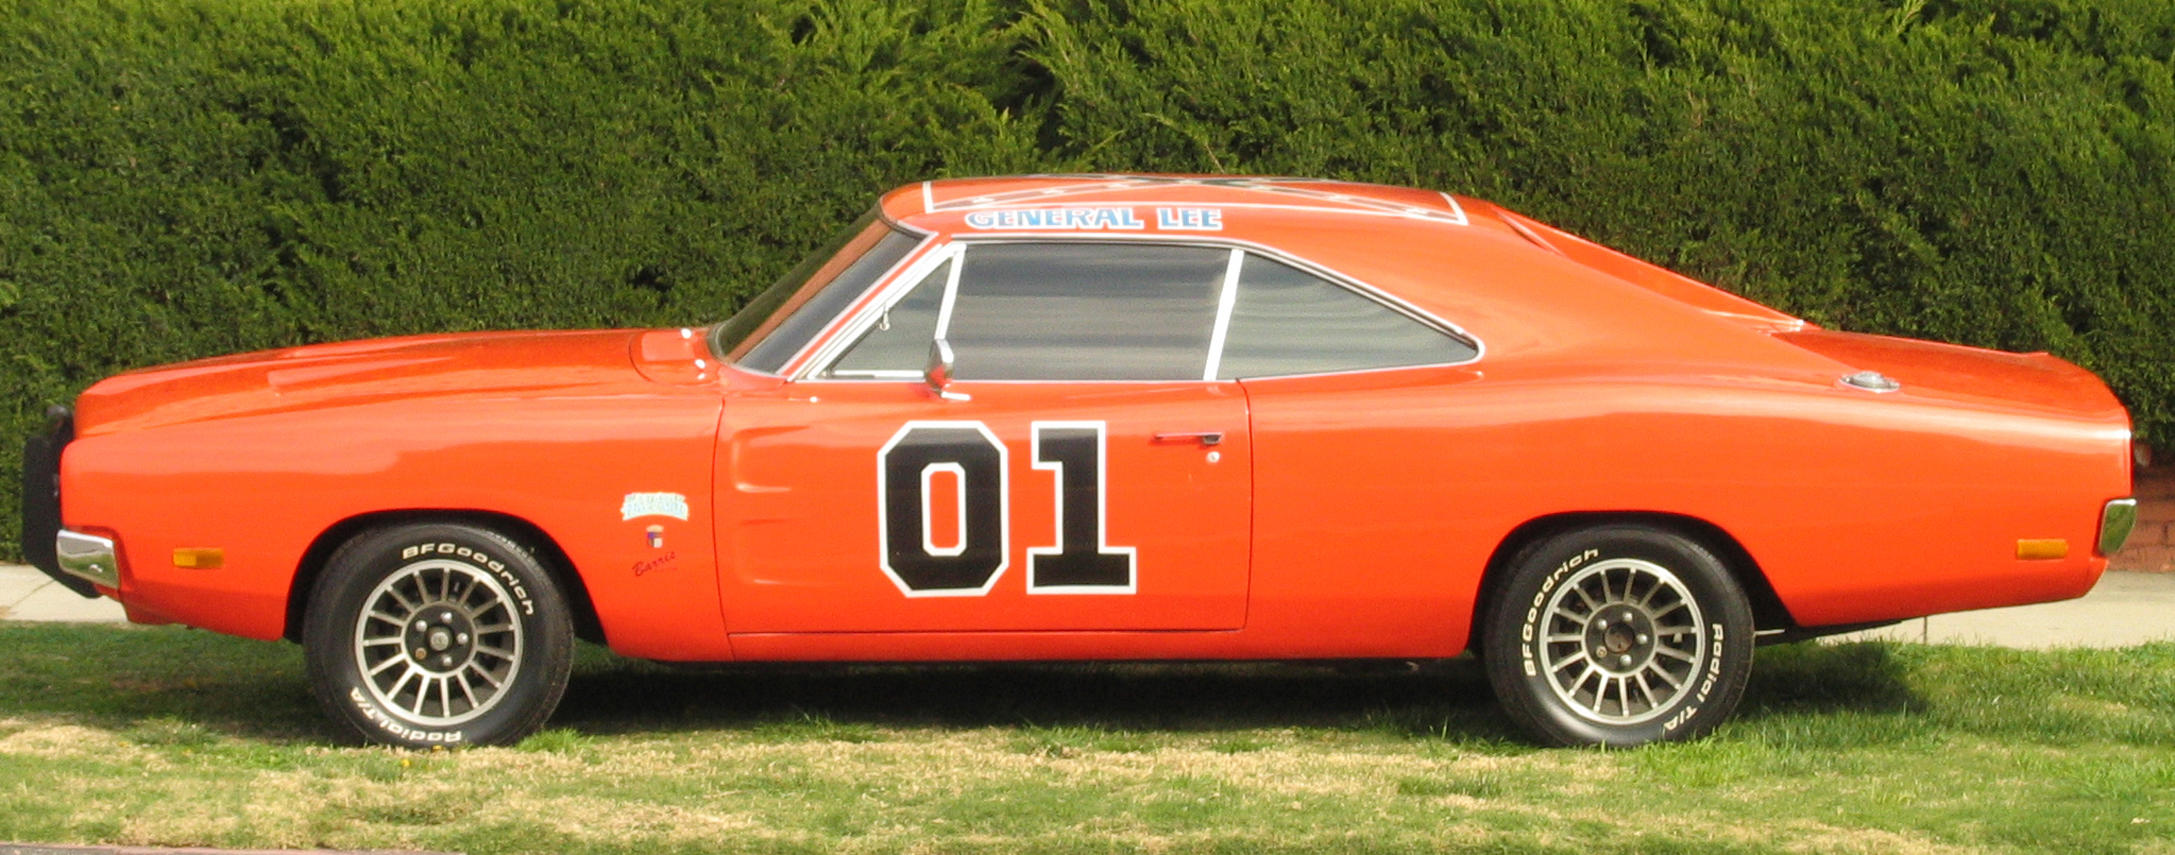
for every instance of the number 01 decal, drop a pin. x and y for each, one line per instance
(979, 547)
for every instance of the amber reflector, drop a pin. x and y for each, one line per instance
(200, 558)
(2052, 547)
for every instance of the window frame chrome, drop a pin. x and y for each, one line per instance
(794, 364)
(831, 345)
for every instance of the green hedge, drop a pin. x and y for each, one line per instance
(181, 178)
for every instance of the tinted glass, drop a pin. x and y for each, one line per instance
(1289, 321)
(900, 339)
(809, 304)
(760, 315)
(1085, 311)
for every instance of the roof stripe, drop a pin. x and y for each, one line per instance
(1326, 200)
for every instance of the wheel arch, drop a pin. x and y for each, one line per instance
(1768, 611)
(548, 551)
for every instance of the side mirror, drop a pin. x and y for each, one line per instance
(939, 372)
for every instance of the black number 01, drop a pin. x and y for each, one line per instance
(1079, 563)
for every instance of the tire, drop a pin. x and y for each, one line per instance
(1618, 635)
(481, 652)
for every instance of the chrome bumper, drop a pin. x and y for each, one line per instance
(2115, 522)
(88, 556)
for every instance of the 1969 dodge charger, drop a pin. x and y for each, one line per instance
(1107, 418)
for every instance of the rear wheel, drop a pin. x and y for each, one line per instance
(437, 634)
(1618, 635)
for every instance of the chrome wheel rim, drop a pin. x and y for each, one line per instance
(1620, 641)
(438, 642)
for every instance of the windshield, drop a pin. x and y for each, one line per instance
(766, 333)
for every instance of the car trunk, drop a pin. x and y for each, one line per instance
(1956, 372)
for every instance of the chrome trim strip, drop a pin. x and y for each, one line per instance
(88, 556)
(1227, 298)
(2115, 522)
(833, 342)
(799, 360)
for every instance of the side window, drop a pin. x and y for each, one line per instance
(1085, 311)
(899, 341)
(1288, 321)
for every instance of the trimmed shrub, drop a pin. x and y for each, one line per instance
(194, 177)
(181, 178)
(1991, 173)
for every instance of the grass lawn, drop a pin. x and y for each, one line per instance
(165, 736)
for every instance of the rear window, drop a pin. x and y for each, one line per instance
(1287, 321)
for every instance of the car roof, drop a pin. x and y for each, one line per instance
(915, 203)
(1521, 286)
(1339, 224)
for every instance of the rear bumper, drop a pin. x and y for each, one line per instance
(75, 560)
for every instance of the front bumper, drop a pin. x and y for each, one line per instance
(79, 562)
(87, 557)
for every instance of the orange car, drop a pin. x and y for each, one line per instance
(1101, 417)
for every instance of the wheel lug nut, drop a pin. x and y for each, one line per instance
(1601, 624)
(1599, 653)
(420, 655)
(463, 638)
(1625, 660)
(446, 616)
(447, 661)
(1643, 638)
(420, 626)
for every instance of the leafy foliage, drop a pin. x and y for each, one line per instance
(182, 178)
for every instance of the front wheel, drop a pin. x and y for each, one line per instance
(1618, 635)
(437, 634)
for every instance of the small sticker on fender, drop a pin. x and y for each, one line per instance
(638, 505)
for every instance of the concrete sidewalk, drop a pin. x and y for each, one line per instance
(2125, 609)
(26, 594)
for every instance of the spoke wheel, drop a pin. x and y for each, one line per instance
(439, 641)
(437, 634)
(1622, 641)
(1617, 635)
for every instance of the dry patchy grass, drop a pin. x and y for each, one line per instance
(162, 737)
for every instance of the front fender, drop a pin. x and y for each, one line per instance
(263, 488)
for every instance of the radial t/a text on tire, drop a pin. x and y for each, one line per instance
(1618, 635)
(437, 634)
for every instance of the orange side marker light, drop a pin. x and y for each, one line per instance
(200, 557)
(2042, 548)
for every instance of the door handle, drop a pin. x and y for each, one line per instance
(1204, 437)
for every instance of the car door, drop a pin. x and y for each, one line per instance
(1082, 470)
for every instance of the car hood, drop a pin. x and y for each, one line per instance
(347, 373)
